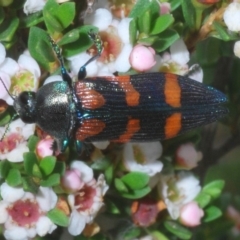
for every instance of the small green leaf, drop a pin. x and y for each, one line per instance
(4, 168)
(189, 14)
(162, 23)
(36, 172)
(29, 185)
(14, 178)
(177, 230)
(133, 31)
(159, 236)
(139, 8)
(144, 22)
(214, 188)
(212, 213)
(101, 164)
(166, 39)
(222, 31)
(40, 48)
(131, 233)
(203, 199)
(8, 29)
(69, 37)
(120, 186)
(135, 180)
(148, 41)
(32, 142)
(31, 20)
(58, 217)
(5, 118)
(2, 15)
(51, 181)
(29, 160)
(137, 193)
(60, 168)
(47, 164)
(109, 174)
(175, 4)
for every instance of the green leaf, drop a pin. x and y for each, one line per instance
(69, 37)
(120, 186)
(166, 39)
(4, 168)
(2, 15)
(189, 14)
(51, 181)
(159, 236)
(135, 180)
(137, 193)
(148, 41)
(14, 178)
(211, 214)
(32, 142)
(31, 20)
(109, 174)
(47, 164)
(5, 118)
(29, 160)
(58, 217)
(144, 22)
(29, 185)
(162, 23)
(174, 4)
(60, 168)
(131, 233)
(40, 48)
(222, 31)
(141, 7)
(8, 29)
(133, 31)
(101, 164)
(58, 17)
(203, 199)
(214, 188)
(177, 230)
(208, 51)
(36, 172)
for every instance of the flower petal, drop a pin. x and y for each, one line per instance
(179, 52)
(2, 53)
(44, 226)
(46, 198)
(76, 224)
(3, 211)
(16, 233)
(122, 63)
(86, 172)
(10, 194)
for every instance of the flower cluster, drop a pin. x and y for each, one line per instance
(113, 188)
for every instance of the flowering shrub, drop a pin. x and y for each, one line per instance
(150, 190)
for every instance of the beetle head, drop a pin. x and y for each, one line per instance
(24, 105)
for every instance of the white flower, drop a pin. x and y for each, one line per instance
(142, 157)
(23, 74)
(32, 6)
(101, 145)
(176, 62)
(24, 214)
(86, 202)
(231, 16)
(14, 143)
(177, 190)
(236, 49)
(116, 46)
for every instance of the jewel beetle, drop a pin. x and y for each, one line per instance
(141, 107)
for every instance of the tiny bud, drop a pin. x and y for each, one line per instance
(71, 180)
(191, 214)
(44, 148)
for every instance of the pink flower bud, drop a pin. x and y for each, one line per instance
(44, 147)
(142, 58)
(165, 8)
(191, 214)
(71, 180)
(187, 157)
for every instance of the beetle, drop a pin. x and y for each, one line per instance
(141, 107)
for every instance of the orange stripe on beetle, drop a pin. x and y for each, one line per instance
(172, 90)
(89, 128)
(133, 126)
(90, 99)
(173, 125)
(132, 95)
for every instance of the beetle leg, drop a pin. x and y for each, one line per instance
(98, 43)
(59, 145)
(64, 72)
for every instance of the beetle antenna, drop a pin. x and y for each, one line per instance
(98, 43)
(58, 53)
(7, 128)
(7, 89)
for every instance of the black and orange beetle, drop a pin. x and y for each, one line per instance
(141, 107)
